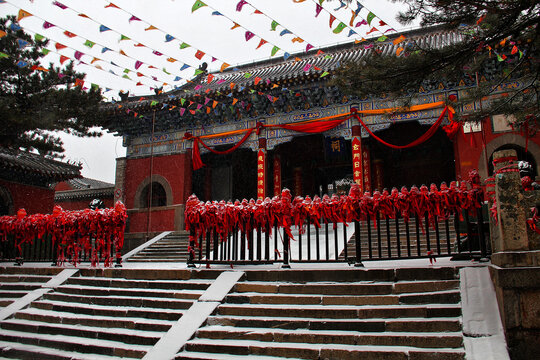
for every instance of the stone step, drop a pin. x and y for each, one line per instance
(188, 355)
(57, 317)
(33, 271)
(148, 260)
(23, 278)
(366, 288)
(426, 325)
(320, 351)
(20, 286)
(25, 351)
(140, 284)
(115, 311)
(127, 336)
(341, 312)
(413, 339)
(444, 297)
(124, 301)
(104, 291)
(354, 275)
(74, 344)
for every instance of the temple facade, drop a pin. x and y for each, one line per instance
(261, 127)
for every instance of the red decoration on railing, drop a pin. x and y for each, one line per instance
(285, 212)
(72, 232)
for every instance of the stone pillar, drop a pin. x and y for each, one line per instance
(511, 220)
(261, 169)
(515, 268)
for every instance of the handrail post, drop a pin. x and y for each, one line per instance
(286, 241)
(191, 249)
(358, 245)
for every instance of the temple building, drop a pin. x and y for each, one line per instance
(279, 123)
(27, 181)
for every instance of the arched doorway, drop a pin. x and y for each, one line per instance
(153, 195)
(430, 162)
(153, 192)
(522, 155)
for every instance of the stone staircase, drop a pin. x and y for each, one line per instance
(339, 314)
(99, 314)
(15, 282)
(172, 248)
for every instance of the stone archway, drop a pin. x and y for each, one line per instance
(505, 139)
(140, 200)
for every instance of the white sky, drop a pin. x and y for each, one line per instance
(209, 33)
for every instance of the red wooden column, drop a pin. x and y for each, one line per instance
(261, 169)
(277, 175)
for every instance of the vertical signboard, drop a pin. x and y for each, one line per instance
(261, 179)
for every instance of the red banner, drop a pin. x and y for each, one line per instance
(366, 166)
(357, 161)
(277, 175)
(261, 170)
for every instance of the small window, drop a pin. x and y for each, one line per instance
(156, 192)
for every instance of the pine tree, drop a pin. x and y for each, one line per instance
(37, 102)
(499, 42)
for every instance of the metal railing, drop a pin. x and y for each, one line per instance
(462, 235)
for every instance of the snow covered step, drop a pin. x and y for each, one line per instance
(315, 288)
(435, 324)
(114, 311)
(341, 312)
(354, 275)
(21, 278)
(127, 336)
(24, 351)
(105, 291)
(415, 298)
(188, 355)
(140, 284)
(320, 351)
(134, 301)
(354, 288)
(413, 339)
(74, 344)
(58, 317)
(23, 286)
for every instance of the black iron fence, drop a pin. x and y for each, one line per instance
(463, 235)
(45, 250)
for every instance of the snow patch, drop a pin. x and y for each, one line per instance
(482, 327)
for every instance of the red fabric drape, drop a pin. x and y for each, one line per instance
(312, 128)
(428, 134)
(197, 161)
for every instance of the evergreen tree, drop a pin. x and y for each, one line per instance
(37, 102)
(498, 42)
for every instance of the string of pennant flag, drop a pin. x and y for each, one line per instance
(359, 15)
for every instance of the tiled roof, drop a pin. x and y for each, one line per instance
(86, 183)
(15, 163)
(280, 69)
(80, 194)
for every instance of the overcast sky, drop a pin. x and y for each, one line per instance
(177, 24)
